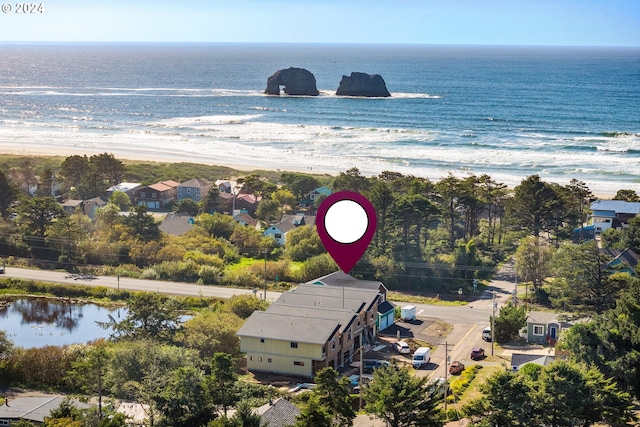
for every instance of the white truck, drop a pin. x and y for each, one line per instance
(421, 357)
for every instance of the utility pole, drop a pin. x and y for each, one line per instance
(360, 379)
(265, 274)
(446, 372)
(493, 323)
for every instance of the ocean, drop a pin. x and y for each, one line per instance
(508, 112)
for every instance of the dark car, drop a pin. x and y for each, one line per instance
(477, 354)
(456, 367)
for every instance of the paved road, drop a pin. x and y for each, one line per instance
(171, 288)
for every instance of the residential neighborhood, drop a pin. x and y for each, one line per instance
(226, 281)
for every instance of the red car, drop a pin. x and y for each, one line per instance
(456, 367)
(477, 354)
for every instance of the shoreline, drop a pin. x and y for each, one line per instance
(227, 161)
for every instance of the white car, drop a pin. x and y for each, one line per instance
(401, 347)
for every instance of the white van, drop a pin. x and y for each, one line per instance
(486, 334)
(421, 357)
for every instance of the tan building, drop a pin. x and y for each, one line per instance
(311, 327)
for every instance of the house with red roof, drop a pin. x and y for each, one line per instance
(156, 196)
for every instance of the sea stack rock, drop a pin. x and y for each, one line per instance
(362, 84)
(296, 81)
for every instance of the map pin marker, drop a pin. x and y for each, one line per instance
(346, 222)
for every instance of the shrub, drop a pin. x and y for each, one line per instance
(242, 279)
(209, 275)
(460, 384)
(181, 271)
(150, 274)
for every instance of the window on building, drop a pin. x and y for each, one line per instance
(143, 194)
(294, 344)
(298, 363)
(262, 340)
(538, 330)
(259, 359)
(250, 357)
(333, 344)
(154, 195)
(278, 236)
(269, 360)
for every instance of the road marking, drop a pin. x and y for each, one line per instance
(465, 337)
(420, 312)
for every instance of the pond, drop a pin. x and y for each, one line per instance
(37, 322)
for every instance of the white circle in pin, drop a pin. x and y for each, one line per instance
(346, 221)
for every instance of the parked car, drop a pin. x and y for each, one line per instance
(477, 353)
(369, 365)
(1, 270)
(456, 367)
(486, 334)
(421, 357)
(401, 347)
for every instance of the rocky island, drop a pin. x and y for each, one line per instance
(296, 81)
(363, 84)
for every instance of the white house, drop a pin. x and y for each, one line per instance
(606, 214)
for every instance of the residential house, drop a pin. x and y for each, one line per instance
(126, 187)
(177, 224)
(545, 327)
(232, 203)
(32, 408)
(310, 198)
(606, 214)
(228, 186)
(72, 206)
(309, 328)
(87, 207)
(279, 413)
(194, 189)
(386, 310)
(156, 196)
(279, 232)
(287, 223)
(243, 218)
(518, 360)
(623, 261)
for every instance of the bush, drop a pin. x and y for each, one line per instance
(209, 275)
(242, 279)
(149, 274)
(179, 271)
(460, 384)
(204, 259)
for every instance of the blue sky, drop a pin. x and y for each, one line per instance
(486, 22)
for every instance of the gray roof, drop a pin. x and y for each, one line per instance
(520, 359)
(618, 206)
(176, 224)
(385, 307)
(343, 317)
(310, 295)
(34, 408)
(339, 278)
(285, 327)
(280, 413)
(196, 183)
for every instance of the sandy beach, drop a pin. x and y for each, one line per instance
(164, 157)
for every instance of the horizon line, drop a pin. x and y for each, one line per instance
(415, 44)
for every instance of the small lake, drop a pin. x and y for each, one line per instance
(37, 322)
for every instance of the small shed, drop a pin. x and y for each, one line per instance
(408, 312)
